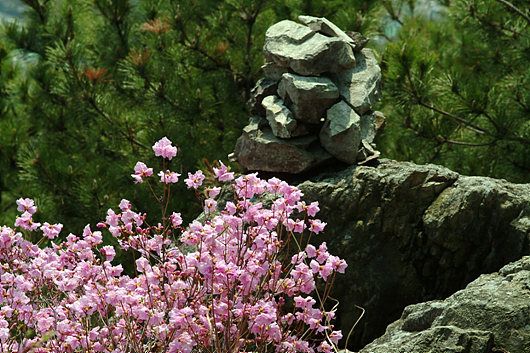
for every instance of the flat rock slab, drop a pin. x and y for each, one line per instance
(307, 97)
(260, 150)
(360, 87)
(307, 53)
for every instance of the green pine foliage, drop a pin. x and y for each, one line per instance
(87, 87)
(456, 89)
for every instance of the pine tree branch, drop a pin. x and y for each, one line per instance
(501, 27)
(251, 20)
(517, 139)
(471, 144)
(109, 120)
(442, 140)
(468, 125)
(478, 110)
(521, 13)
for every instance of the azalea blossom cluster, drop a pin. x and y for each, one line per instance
(221, 285)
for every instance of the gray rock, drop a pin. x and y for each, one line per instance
(368, 127)
(360, 87)
(497, 304)
(358, 39)
(307, 97)
(367, 152)
(281, 119)
(413, 233)
(307, 53)
(263, 88)
(274, 71)
(325, 26)
(441, 339)
(302, 129)
(258, 121)
(260, 150)
(341, 133)
(380, 122)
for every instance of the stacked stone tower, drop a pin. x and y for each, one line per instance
(315, 103)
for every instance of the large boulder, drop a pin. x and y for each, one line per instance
(360, 86)
(413, 233)
(290, 44)
(494, 309)
(307, 97)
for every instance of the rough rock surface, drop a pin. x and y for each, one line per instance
(307, 97)
(361, 85)
(281, 119)
(325, 26)
(307, 53)
(263, 88)
(413, 233)
(358, 39)
(495, 308)
(259, 149)
(341, 133)
(368, 127)
(274, 71)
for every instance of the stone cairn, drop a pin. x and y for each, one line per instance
(315, 103)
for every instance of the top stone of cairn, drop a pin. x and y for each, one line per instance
(306, 52)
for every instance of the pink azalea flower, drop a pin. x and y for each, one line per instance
(168, 177)
(311, 210)
(311, 251)
(51, 230)
(337, 264)
(109, 252)
(323, 270)
(210, 205)
(317, 225)
(26, 222)
(275, 185)
(140, 171)
(26, 205)
(303, 303)
(213, 192)
(297, 226)
(222, 173)
(298, 258)
(164, 149)
(335, 336)
(194, 180)
(325, 347)
(175, 219)
(322, 253)
(125, 205)
(112, 218)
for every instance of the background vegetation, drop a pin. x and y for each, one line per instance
(87, 86)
